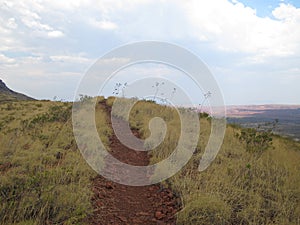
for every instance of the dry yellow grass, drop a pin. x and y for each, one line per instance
(239, 187)
(44, 178)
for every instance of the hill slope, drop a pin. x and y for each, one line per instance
(45, 180)
(7, 94)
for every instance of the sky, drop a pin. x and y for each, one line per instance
(252, 47)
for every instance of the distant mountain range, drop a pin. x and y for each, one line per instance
(288, 117)
(7, 94)
(262, 110)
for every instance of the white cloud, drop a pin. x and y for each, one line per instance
(237, 28)
(67, 5)
(35, 24)
(105, 25)
(11, 23)
(6, 60)
(55, 34)
(287, 12)
(58, 31)
(114, 60)
(224, 25)
(30, 14)
(70, 59)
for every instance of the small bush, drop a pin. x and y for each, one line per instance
(110, 101)
(256, 141)
(204, 115)
(84, 98)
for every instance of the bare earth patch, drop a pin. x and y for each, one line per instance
(120, 204)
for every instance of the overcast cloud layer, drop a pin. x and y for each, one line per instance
(253, 51)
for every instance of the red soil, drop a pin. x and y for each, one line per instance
(120, 204)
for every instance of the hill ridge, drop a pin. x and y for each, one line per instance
(7, 94)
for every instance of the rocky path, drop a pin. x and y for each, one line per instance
(120, 204)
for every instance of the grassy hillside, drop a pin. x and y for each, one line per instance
(255, 178)
(45, 180)
(7, 95)
(43, 177)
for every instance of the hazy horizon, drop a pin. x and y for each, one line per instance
(251, 47)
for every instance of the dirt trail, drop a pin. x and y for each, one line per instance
(120, 204)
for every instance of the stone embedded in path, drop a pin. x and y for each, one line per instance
(159, 215)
